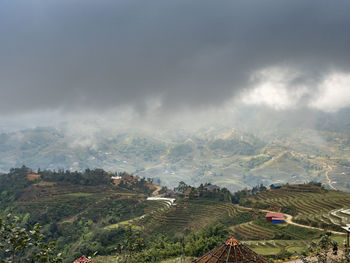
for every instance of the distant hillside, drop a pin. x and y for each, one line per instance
(259, 150)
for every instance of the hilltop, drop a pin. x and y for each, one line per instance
(91, 211)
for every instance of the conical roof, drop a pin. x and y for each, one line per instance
(232, 251)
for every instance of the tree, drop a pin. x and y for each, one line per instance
(323, 249)
(19, 243)
(181, 187)
(133, 244)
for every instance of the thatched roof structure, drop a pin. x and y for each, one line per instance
(232, 251)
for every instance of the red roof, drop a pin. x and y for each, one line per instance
(83, 259)
(278, 218)
(275, 215)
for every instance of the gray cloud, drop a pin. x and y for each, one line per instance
(73, 54)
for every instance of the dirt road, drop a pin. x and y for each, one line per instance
(289, 220)
(156, 192)
(328, 179)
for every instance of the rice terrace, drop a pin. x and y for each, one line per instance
(313, 211)
(178, 131)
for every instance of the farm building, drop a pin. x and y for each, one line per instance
(187, 192)
(191, 192)
(170, 193)
(231, 251)
(275, 218)
(83, 259)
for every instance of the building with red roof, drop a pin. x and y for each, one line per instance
(275, 218)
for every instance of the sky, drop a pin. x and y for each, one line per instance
(66, 58)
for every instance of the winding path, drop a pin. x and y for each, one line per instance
(289, 220)
(328, 179)
(156, 192)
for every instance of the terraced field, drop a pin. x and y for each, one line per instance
(259, 229)
(273, 247)
(190, 215)
(313, 205)
(251, 231)
(65, 203)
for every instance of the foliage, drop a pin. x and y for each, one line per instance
(88, 177)
(322, 249)
(12, 184)
(20, 243)
(181, 187)
(237, 197)
(132, 244)
(195, 244)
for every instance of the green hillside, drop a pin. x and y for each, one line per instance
(86, 213)
(311, 205)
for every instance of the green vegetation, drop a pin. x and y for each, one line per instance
(75, 208)
(22, 242)
(192, 215)
(311, 204)
(162, 247)
(86, 214)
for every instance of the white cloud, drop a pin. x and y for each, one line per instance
(272, 87)
(334, 93)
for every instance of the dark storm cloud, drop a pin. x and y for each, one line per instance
(100, 54)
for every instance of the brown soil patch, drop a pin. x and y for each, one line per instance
(33, 177)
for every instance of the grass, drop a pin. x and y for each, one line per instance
(266, 251)
(105, 259)
(123, 223)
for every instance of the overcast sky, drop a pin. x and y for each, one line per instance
(75, 55)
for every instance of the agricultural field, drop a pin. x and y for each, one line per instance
(260, 229)
(85, 218)
(65, 203)
(310, 205)
(274, 247)
(192, 215)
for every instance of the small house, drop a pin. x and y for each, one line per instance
(170, 193)
(187, 192)
(83, 259)
(276, 218)
(196, 193)
(212, 188)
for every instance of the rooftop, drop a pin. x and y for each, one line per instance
(231, 251)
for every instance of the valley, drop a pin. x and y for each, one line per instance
(233, 158)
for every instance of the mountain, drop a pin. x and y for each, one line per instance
(257, 147)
